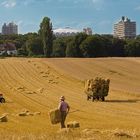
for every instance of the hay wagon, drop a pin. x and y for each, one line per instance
(97, 89)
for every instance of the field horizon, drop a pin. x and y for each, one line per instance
(36, 84)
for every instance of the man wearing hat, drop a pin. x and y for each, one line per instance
(64, 108)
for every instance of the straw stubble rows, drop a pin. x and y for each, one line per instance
(37, 84)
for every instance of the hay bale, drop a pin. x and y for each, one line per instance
(30, 92)
(70, 125)
(23, 114)
(37, 113)
(44, 75)
(40, 90)
(122, 134)
(76, 124)
(73, 124)
(86, 84)
(50, 80)
(30, 114)
(42, 72)
(4, 118)
(55, 116)
(22, 88)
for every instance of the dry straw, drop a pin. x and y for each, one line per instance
(4, 118)
(55, 116)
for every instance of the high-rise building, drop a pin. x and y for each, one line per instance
(9, 29)
(88, 31)
(125, 28)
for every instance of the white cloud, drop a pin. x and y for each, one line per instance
(29, 2)
(98, 4)
(9, 3)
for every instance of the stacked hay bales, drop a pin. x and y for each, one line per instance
(55, 116)
(97, 88)
(73, 124)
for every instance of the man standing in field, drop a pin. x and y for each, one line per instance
(64, 109)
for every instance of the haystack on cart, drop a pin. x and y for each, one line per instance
(97, 89)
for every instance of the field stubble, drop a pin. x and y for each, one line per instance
(35, 85)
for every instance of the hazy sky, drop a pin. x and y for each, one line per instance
(100, 15)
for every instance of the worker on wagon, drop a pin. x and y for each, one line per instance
(64, 109)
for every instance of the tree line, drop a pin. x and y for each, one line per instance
(46, 44)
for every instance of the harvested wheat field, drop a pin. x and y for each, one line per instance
(32, 87)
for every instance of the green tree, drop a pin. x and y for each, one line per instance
(79, 38)
(22, 51)
(71, 49)
(132, 48)
(107, 43)
(34, 46)
(46, 35)
(59, 48)
(118, 47)
(93, 46)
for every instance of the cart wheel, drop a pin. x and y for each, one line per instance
(98, 98)
(103, 98)
(93, 99)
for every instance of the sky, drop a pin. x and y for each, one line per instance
(100, 15)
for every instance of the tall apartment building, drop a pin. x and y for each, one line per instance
(9, 29)
(125, 28)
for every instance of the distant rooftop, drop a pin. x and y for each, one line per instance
(66, 30)
(125, 19)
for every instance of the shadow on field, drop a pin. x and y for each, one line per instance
(2, 57)
(123, 101)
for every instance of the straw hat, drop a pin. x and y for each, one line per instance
(62, 98)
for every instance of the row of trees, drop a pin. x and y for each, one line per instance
(45, 44)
